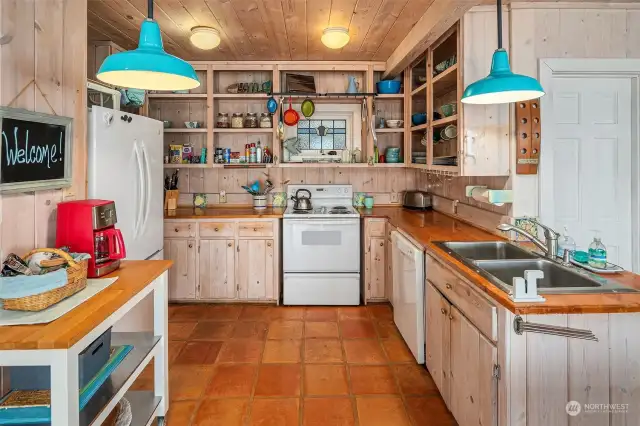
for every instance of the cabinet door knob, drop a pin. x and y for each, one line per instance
(268, 244)
(255, 229)
(381, 244)
(449, 286)
(216, 229)
(451, 317)
(177, 230)
(190, 245)
(444, 312)
(228, 244)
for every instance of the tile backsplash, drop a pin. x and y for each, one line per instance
(386, 185)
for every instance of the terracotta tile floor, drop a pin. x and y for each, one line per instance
(235, 365)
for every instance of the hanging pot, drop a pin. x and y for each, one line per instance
(307, 108)
(291, 116)
(281, 122)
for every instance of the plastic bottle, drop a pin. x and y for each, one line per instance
(566, 243)
(597, 253)
(252, 154)
(247, 152)
(258, 153)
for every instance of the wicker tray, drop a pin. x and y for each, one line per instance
(76, 281)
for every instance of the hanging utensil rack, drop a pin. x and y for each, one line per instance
(324, 95)
(520, 326)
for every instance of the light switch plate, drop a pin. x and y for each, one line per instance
(395, 197)
(223, 197)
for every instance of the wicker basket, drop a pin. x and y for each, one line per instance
(76, 281)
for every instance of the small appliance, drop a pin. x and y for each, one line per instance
(419, 200)
(88, 226)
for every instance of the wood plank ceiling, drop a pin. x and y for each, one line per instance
(263, 29)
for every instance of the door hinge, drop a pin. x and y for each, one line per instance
(238, 248)
(198, 248)
(496, 371)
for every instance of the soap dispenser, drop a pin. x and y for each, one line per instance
(597, 253)
(566, 243)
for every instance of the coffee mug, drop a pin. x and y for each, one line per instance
(368, 201)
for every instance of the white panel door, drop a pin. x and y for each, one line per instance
(585, 165)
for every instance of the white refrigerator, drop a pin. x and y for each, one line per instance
(125, 165)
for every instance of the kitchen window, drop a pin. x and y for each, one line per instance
(322, 135)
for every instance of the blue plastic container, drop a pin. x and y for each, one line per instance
(418, 118)
(388, 87)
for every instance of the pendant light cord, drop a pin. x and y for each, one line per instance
(499, 24)
(150, 9)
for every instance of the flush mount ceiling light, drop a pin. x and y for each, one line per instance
(335, 37)
(205, 38)
(502, 86)
(148, 67)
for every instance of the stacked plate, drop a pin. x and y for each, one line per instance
(445, 161)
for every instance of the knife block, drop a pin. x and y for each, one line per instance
(171, 199)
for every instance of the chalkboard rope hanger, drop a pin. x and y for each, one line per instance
(35, 83)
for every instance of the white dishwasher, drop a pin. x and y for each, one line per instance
(408, 293)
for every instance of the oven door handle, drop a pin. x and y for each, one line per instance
(330, 222)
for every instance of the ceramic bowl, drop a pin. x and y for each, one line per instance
(449, 109)
(418, 118)
(192, 124)
(388, 87)
(394, 124)
(166, 124)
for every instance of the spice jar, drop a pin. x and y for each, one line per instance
(237, 120)
(265, 120)
(251, 120)
(223, 120)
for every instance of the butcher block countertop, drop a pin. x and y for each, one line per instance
(63, 333)
(427, 227)
(224, 213)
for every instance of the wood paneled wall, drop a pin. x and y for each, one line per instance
(43, 66)
(386, 185)
(559, 30)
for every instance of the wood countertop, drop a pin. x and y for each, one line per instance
(427, 227)
(224, 213)
(63, 333)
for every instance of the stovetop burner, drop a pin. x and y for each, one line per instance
(339, 208)
(301, 212)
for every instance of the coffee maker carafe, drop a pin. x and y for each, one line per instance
(88, 226)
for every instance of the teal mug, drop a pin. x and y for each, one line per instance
(368, 202)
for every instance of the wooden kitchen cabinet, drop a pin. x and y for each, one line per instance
(376, 259)
(388, 288)
(255, 269)
(473, 380)
(182, 275)
(461, 360)
(216, 269)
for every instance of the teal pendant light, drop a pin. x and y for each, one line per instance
(502, 86)
(148, 67)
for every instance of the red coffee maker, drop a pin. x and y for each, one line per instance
(88, 226)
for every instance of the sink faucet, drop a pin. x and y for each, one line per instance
(549, 247)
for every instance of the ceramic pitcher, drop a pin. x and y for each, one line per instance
(353, 86)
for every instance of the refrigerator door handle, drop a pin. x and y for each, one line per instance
(141, 189)
(147, 187)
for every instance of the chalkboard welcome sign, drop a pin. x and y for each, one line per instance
(35, 151)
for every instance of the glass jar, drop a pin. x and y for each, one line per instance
(237, 120)
(251, 120)
(265, 120)
(223, 120)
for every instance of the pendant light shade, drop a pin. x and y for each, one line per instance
(148, 67)
(501, 85)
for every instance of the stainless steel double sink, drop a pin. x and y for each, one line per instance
(499, 262)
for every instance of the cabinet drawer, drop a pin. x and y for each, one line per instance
(255, 229)
(376, 228)
(461, 294)
(179, 229)
(217, 229)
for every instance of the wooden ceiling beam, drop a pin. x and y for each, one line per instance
(438, 18)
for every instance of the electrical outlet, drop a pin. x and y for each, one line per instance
(223, 197)
(395, 197)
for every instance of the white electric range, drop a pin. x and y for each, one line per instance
(321, 248)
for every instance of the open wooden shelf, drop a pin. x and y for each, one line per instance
(446, 81)
(383, 96)
(240, 96)
(443, 121)
(420, 127)
(390, 130)
(189, 166)
(244, 130)
(177, 95)
(419, 89)
(186, 130)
